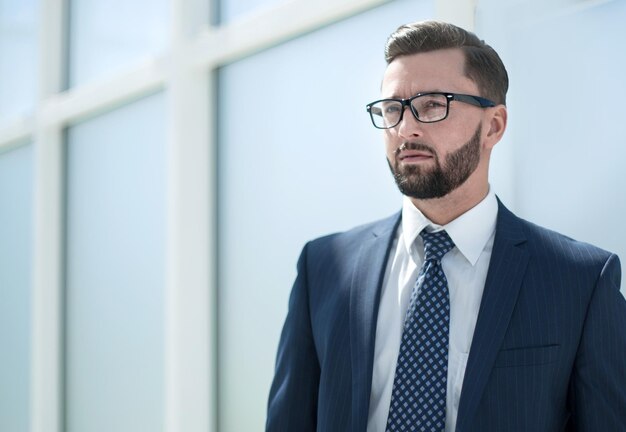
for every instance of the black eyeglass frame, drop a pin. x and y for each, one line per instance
(469, 99)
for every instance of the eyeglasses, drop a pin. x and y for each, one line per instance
(426, 107)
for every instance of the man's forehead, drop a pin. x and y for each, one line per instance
(441, 70)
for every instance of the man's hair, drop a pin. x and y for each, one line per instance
(482, 64)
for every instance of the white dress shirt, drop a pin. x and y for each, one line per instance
(465, 267)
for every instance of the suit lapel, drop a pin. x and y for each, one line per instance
(367, 280)
(506, 270)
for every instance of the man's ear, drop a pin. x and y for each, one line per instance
(497, 126)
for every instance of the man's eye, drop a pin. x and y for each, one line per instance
(434, 104)
(392, 109)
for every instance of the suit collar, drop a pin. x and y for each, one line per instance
(509, 260)
(367, 281)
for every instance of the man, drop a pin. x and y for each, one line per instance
(455, 314)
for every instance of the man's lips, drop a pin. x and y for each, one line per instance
(414, 156)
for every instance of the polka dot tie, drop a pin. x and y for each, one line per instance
(418, 399)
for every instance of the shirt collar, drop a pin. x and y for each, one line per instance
(469, 232)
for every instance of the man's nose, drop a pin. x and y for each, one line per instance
(409, 126)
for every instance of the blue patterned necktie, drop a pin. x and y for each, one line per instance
(418, 399)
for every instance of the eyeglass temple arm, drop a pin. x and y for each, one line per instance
(474, 100)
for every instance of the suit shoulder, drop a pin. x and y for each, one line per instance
(548, 242)
(354, 237)
(544, 242)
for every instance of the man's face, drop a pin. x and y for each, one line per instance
(430, 160)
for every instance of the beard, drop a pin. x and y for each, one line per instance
(424, 182)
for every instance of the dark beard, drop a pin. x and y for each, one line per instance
(420, 183)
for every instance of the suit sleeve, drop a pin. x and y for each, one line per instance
(292, 404)
(598, 386)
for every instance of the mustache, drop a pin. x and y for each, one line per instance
(413, 145)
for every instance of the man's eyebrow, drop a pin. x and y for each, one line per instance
(395, 96)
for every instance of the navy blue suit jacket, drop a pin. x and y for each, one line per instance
(548, 352)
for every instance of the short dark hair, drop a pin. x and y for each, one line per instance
(482, 63)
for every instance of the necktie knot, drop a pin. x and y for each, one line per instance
(436, 244)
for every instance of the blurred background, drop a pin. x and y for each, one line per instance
(163, 162)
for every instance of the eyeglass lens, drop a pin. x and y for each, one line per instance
(429, 108)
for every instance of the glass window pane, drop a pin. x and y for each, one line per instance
(108, 35)
(16, 212)
(18, 56)
(115, 270)
(306, 163)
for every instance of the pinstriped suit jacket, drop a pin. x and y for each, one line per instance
(548, 353)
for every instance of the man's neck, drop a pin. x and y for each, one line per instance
(445, 209)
